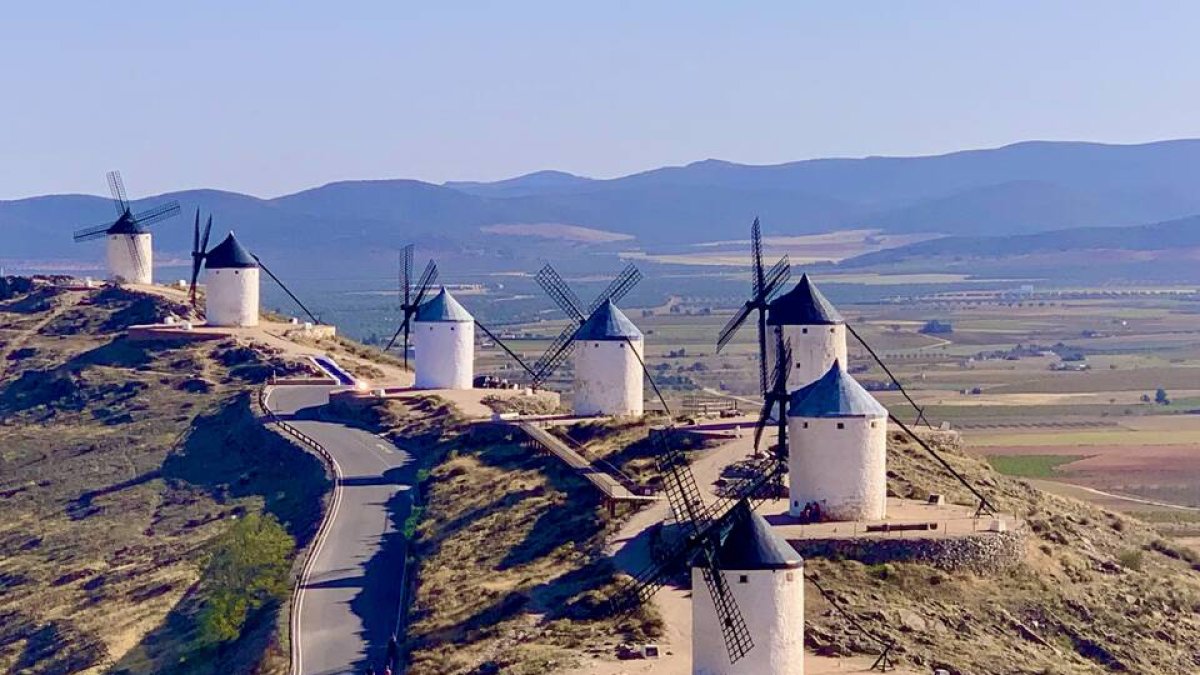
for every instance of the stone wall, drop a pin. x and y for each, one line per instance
(983, 553)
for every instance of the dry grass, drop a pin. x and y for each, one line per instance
(107, 504)
(1097, 592)
(511, 569)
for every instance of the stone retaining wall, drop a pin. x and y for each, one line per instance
(983, 553)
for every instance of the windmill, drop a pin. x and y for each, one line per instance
(703, 530)
(199, 246)
(232, 295)
(411, 296)
(766, 284)
(566, 299)
(128, 251)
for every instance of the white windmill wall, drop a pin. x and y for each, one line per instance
(608, 378)
(814, 349)
(445, 354)
(844, 469)
(773, 603)
(231, 296)
(121, 264)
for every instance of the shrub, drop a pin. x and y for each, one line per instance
(247, 568)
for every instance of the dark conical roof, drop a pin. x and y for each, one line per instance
(751, 544)
(126, 225)
(804, 305)
(836, 394)
(443, 307)
(229, 254)
(608, 323)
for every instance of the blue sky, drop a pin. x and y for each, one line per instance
(271, 97)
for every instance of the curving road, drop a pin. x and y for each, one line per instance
(350, 597)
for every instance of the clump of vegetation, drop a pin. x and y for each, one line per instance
(246, 570)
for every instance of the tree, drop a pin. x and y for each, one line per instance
(246, 569)
(1160, 397)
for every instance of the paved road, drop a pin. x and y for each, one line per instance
(349, 602)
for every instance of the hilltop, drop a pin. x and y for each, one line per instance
(1021, 188)
(123, 463)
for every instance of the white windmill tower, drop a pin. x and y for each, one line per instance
(837, 453)
(608, 348)
(128, 251)
(807, 321)
(232, 285)
(444, 338)
(765, 576)
(608, 364)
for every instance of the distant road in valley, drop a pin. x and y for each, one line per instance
(350, 599)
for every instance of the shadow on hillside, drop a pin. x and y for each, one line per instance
(230, 456)
(67, 387)
(81, 507)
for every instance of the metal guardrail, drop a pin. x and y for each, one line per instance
(326, 520)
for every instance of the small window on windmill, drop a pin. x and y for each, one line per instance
(804, 331)
(841, 425)
(831, 330)
(873, 423)
(452, 327)
(789, 576)
(743, 578)
(806, 425)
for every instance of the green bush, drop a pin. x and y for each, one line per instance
(246, 569)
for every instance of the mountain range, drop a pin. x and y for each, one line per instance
(1024, 188)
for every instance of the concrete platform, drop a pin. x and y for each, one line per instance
(202, 331)
(906, 519)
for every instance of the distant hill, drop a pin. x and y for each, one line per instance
(1172, 235)
(1022, 188)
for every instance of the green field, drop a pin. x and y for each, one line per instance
(1032, 466)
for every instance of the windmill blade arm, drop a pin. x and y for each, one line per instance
(776, 278)
(555, 354)
(428, 278)
(406, 274)
(518, 359)
(401, 328)
(619, 287)
(157, 214)
(731, 327)
(285, 288)
(649, 376)
(729, 615)
(89, 233)
(116, 186)
(135, 254)
(558, 290)
(756, 253)
(761, 423)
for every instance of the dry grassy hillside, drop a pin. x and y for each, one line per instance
(511, 569)
(119, 463)
(1098, 592)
